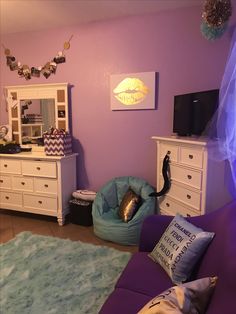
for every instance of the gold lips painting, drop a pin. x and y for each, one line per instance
(133, 91)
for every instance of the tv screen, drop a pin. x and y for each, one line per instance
(193, 111)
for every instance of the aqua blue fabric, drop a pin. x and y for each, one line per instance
(49, 275)
(107, 224)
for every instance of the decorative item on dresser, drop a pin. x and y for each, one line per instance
(197, 181)
(36, 183)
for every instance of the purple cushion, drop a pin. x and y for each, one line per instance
(144, 276)
(220, 259)
(142, 279)
(122, 301)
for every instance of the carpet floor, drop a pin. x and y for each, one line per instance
(48, 275)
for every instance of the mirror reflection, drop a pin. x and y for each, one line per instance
(37, 116)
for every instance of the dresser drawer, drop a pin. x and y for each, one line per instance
(40, 202)
(5, 182)
(170, 207)
(171, 149)
(185, 195)
(39, 168)
(10, 166)
(11, 198)
(191, 156)
(42, 185)
(22, 183)
(190, 177)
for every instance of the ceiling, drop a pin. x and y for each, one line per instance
(33, 15)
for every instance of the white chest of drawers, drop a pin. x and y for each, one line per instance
(36, 183)
(197, 181)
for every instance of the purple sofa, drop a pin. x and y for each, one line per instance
(142, 279)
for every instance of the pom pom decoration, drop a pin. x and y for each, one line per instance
(212, 33)
(28, 72)
(216, 14)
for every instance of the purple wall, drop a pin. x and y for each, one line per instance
(118, 143)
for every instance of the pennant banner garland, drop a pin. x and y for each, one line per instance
(27, 72)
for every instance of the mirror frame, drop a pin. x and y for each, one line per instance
(16, 94)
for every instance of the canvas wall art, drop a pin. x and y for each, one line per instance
(133, 91)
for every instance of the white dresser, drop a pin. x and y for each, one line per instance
(198, 183)
(36, 183)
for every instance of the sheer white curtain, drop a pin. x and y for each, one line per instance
(225, 117)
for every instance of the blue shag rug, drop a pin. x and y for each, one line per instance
(48, 275)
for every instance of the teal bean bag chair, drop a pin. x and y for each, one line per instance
(106, 221)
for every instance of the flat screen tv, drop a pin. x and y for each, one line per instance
(193, 111)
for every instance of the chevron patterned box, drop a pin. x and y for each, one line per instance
(57, 145)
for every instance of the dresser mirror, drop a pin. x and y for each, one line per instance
(37, 117)
(34, 109)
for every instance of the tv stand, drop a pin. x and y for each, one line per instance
(197, 182)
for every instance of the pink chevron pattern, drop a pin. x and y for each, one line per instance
(57, 145)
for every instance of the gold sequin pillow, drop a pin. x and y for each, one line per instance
(129, 205)
(188, 298)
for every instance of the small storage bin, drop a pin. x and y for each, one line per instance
(57, 145)
(81, 212)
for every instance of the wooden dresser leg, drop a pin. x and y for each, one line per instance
(61, 221)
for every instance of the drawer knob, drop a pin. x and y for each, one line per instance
(169, 152)
(38, 168)
(190, 156)
(7, 197)
(46, 185)
(40, 202)
(23, 183)
(1, 181)
(188, 196)
(189, 176)
(5, 165)
(167, 205)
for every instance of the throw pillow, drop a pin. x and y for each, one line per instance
(180, 247)
(188, 298)
(129, 205)
(6, 132)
